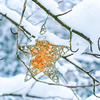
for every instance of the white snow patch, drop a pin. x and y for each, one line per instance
(93, 97)
(97, 74)
(85, 18)
(51, 5)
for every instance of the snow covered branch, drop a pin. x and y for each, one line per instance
(38, 97)
(82, 70)
(62, 23)
(45, 50)
(16, 24)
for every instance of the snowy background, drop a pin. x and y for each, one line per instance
(11, 66)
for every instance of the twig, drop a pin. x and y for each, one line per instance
(22, 50)
(82, 70)
(99, 43)
(24, 7)
(63, 24)
(33, 85)
(60, 1)
(15, 23)
(90, 70)
(69, 55)
(54, 83)
(71, 42)
(27, 95)
(95, 55)
(94, 89)
(67, 83)
(26, 35)
(40, 21)
(64, 13)
(13, 32)
(29, 16)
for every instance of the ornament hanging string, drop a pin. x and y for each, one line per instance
(43, 28)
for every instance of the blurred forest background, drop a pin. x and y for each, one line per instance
(11, 65)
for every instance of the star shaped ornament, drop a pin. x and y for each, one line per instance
(43, 58)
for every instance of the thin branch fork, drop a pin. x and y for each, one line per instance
(32, 96)
(59, 84)
(82, 69)
(63, 24)
(16, 24)
(94, 89)
(64, 13)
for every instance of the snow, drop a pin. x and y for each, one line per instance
(97, 73)
(34, 30)
(12, 4)
(81, 17)
(85, 58)
(93, 97)
(17, 85)
(13, 84)
(51, 5)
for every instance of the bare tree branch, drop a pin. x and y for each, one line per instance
(94, 90)
(54, 83)
(27, 95)
(82, 70)
(60, 2)
(95, 55)
(63, 24)
(15, 23)
(29, 16)
(99, 43)
(64, 13)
